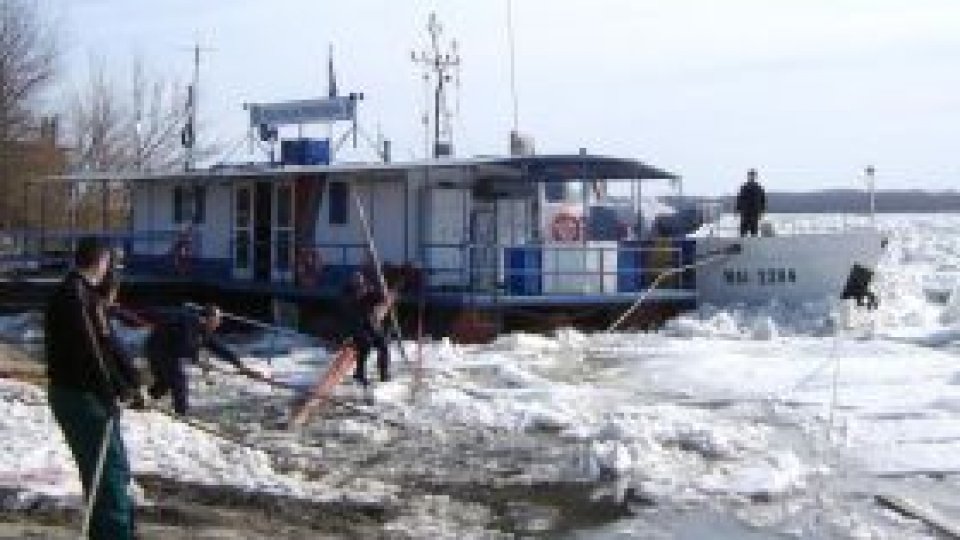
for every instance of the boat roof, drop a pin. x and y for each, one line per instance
(541, 168)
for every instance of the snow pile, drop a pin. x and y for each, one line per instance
(36, 463)
(533, 384)
(950, 316)
(764, 322)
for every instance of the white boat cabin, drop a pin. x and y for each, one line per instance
(534, 226)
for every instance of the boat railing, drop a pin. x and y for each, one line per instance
(503, 270)
(552, 269)
(507, 269)
(37, 249)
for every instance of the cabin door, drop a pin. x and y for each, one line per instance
(262, 231)
(483, 236)
(242, 244)
(283, 220)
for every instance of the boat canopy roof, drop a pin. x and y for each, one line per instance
(542, 168)
(569, 167)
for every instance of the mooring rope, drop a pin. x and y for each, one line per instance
(727, 252)
(827, 454)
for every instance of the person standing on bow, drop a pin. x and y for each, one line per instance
(751, 204)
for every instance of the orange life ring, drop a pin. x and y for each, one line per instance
(308, 266)
(566, 227)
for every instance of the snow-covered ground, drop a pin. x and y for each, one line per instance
(746, 421)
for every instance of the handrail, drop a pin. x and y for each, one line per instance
(463, 270)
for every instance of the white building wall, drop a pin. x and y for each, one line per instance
(153, 213)
(216, 229)
(142, 216)
(387, 213)
(383, 202)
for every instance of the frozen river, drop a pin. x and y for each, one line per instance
(744, 422)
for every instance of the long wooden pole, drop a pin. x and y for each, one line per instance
(97, 475)
(372, 247)
(252, 322)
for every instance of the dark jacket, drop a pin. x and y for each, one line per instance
(179, 333)
(357, 308)
(79, 353)
(751, 200)
(126, 370)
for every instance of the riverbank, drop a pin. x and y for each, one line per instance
(233, 472)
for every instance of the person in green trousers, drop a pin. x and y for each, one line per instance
(86, 383)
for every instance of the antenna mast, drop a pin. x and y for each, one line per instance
(188, 136)
(437, 66)
(513, 67)
(194, 105)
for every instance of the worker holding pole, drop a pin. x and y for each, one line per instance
(85, 385)
(365, 308)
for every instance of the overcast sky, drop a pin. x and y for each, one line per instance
(807, 91)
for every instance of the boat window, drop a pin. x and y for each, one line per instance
(242, 250)
(178, 204)
(284, 213)
(243, 208)
(189, 204)
(339, 203)
(569, 190)
(284, 251)
(555, 191)
(199, 204)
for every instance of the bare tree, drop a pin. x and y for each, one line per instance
(116, 127)
(28, 55)
(96, 121)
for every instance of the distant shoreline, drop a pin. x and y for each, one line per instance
(853, 201)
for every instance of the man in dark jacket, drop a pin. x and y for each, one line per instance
(751, 204)
(177, 337)
(85, 381)
(364, 310)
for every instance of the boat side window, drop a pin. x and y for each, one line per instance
(339, 203)
(555, 191)
(178, 204)
(189, 204)
(562, 191)
(199, 204)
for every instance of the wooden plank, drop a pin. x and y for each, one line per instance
(916, 510)
(343, 361)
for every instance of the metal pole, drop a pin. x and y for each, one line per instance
(97, 474)
(194, 106)
(513, 68)
(43, 216)
(251, 322)
(104, 201)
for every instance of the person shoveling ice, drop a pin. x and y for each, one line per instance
(365, 307)
(177, 337)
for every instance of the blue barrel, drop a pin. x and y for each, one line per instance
(305, 151)
(523, 271)
(629, 267)
(688, 256)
